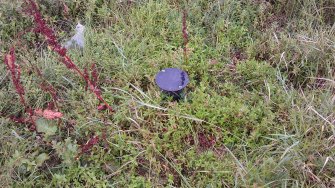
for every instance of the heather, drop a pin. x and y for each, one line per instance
(258, 111)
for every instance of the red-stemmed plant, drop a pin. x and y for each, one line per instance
(185, 34)
(42, 28)
(15, 71)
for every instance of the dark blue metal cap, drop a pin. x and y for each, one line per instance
(172, 79)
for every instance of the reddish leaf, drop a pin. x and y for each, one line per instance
(90, 143)
(102, 107)
(48, 114)
(65, 8)
(39, 112)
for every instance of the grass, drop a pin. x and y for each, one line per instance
(258, 112)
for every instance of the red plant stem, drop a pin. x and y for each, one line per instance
(47, 87)
(42, 28)
(185, 35)
(15, 71)
(86, 77)
(94, 74)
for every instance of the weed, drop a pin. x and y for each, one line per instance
(185, 35)
(43, 29)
